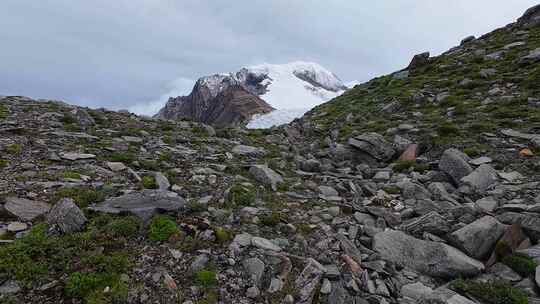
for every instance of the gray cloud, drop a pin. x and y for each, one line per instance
(122, 53)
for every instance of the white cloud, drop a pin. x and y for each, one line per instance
(121, 53)
(178, 87)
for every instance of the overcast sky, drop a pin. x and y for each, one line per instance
(121, 53)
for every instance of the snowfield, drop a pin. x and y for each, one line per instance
(292, 96)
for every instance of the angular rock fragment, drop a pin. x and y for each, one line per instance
(374, 145)
(308, 280)
(479, 237)
(26, 209)
(143, 204)
(530, 222)
(455, 163)
(66, 216)
(431, 258)
(266, 176)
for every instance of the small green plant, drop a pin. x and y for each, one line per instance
(447, 129)
(493, 292)
(14, 149)
(149, 182)
(3, 163)
(124, 227)
(404, 165)
(521, 263)
(222, 235)
(304, 228)
(271, 219)
(71, 174)
(4, 112)
(150, 165)
(502, 249)
(205, 278)
(242, 195)
(81, 196)
(90, 286)
(162, 228)
(123, 157)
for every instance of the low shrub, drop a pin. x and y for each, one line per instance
(205, 278)
(242, 195)
(162, 228)
(493, 292)
(81, 196)
(125, 227)
(521, 263)
(149, 182)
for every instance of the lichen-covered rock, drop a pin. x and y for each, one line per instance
(66, 216)
(455, 163)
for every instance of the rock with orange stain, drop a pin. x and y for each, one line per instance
(169, 282)
(353, 265)
(526, 152)
(409, 153)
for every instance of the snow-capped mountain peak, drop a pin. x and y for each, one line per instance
(292, 89)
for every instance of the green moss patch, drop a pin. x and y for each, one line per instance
(521, 263)
(494, 292)
(162, 228)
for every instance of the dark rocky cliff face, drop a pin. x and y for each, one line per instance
(231, 107)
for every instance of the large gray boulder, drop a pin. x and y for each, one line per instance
(266, 176)
(456, 164)
(26, 209)
(431, 258)
(418, 61)
(530, 222)
(143, 204)
(66, 216)
(374, 145)
(481, 179)
(531, 17)
(479, 237)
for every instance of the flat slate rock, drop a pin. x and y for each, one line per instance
(143, 204)
(26, 209)
(76, 156)
(512, 133)
(431, 258)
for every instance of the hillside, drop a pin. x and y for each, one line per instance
(467, 97)
(418, 187)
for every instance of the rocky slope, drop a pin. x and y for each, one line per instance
(291, 88)
(231, 106)
(109, 207)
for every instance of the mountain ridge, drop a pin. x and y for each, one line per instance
(306, 83)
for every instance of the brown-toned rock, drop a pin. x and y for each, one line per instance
(231, 107)
(409, 153)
